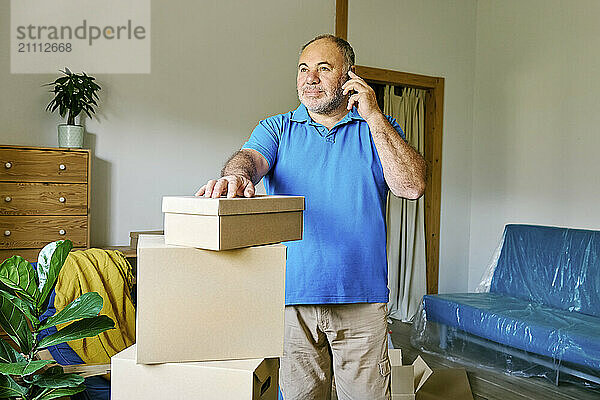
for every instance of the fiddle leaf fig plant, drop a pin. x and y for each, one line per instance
(24, 296)
(73, 93)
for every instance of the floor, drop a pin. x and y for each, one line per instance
(492, 385)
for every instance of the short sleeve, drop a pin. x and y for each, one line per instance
(396, 126)
(265, 138)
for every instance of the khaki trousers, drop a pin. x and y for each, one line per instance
(348, 341)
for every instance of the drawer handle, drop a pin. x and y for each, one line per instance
(6, 233)
(62, 167)
(62, 199)
(62, 232)
(8, 165)
(8, 199)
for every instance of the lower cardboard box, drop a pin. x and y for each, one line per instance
(252, 379)
(419, 382)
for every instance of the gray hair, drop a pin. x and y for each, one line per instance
(343, 46)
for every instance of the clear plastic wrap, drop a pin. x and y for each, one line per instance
(537, 312)
(486, 278)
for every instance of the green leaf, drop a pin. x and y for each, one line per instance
(50, 261)
(55, 393)
(9, 388)
(22, 305)
(57, 380)
(24, 368)
(14, 323)
(87, 305)
(55, 369)
(83, 328)
(19, 275)
(52, 102)
(8, 354)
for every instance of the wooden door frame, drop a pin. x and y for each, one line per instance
(434, 120)
(341, 19)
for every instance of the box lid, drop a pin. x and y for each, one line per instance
(395, 356)
(259, 204)
(422, 372)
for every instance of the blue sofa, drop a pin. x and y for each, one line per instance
(544, 300)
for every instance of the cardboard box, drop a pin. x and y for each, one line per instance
(418, 381)
(406, 380)
(222, 224)
(203, 305)
(133, 236)
(214, 380)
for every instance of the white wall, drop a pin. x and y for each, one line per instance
(520, 115)
(217, 68)
(536, 140)
(433, 38)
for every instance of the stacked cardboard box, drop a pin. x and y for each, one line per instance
(210, 323)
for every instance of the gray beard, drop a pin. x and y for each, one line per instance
(332, 105)
(329, 107)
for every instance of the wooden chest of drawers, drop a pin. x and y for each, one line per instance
(44, 196)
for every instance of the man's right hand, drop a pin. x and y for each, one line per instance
(232, 185)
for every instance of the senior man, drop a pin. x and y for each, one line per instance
(343, 154)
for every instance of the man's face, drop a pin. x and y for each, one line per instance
(321, 74)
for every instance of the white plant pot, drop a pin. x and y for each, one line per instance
(70, 136)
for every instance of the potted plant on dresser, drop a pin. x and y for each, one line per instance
(73, 93)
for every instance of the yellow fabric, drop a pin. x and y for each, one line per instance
(108, 273)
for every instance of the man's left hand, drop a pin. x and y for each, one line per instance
(364, 98)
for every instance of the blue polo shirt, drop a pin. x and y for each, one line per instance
(342, 255)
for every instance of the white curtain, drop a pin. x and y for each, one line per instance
(406, 218)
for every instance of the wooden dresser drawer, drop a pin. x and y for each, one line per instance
(43, 199)
(36, 165)
(27, 232)
(30, 255)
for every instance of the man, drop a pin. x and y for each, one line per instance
(339, 151)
